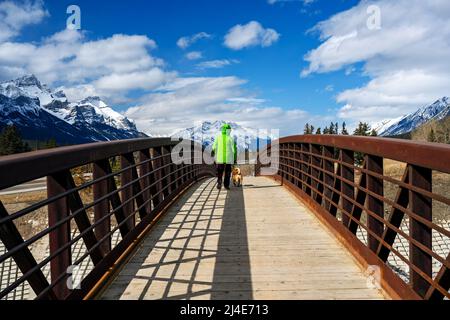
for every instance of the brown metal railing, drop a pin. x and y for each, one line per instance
(126, 198)
(349, 196)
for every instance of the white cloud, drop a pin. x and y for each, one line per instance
(185, 42)
(185, 101)
(14, 17)
(407, 59)
(216, 64)
(249, 35)
(113, 66)
(194, 55)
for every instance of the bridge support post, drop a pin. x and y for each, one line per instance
(144, 169)
(58, 210)
(101, 209)
(421, 205)
(126, 177)
(347, 189)
(375, 165)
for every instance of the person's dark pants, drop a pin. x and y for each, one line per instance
(221, 168)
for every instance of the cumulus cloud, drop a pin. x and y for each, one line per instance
(250, 35)
(185, 101)
(113, 66)
(14, 17)
(185, 42)
(406, 59)
(216, 64)
(194, 55)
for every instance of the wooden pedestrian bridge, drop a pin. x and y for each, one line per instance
(322, 217)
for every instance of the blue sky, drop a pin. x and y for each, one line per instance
(266, 64)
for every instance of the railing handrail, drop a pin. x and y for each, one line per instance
(36, 164)
(413, 152)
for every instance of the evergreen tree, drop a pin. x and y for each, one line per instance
(319, 131)
(11, 141)
(344, 129)
(373, 133)
(363, 129)
(326, 130)
(332, 129)
(307, 129)
(51, 143)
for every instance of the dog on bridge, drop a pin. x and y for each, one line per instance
(237, 177)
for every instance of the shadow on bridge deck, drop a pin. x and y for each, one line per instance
(255, 242)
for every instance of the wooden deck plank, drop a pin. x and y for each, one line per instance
(255, 242)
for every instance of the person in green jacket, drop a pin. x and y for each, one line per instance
(225, 152)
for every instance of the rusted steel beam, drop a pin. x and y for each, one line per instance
(116, 203)
(335, 196)
(347, 189)
(59, 237)
(328, 179)
(81, 218)
(395, 218)
(32, 165)
(127, 160)
(157, 175)
(166, 172)
(375, 164)
(144, 171)
(306, 168)
(11, 238)
(316, 173)
(360, 199)
(100, 189)
(443, 280)
(422, 206)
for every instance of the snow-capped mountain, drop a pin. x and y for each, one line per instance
(41, 114)
(435, 111)
(206, 132)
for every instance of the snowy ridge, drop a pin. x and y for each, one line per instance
(435, 111)
(206, 131)
(91, 119)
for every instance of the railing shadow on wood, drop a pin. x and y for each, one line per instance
(324, 171)
(126, 198)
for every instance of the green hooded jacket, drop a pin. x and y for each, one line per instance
(224, 147)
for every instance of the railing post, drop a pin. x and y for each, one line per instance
(375, 164)
(167, 172)
(297, 165)
(126, 177)
(100, 189)
(316, 173)
(157, 164)
(348, 173)
(144, 169)
(306, 169)
(58, 210)
(328, 177)
(421, 205)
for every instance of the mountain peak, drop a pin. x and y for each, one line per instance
(28, 81)
(95, 101)
(436, 111)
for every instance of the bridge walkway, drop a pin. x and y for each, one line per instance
(254, 242)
